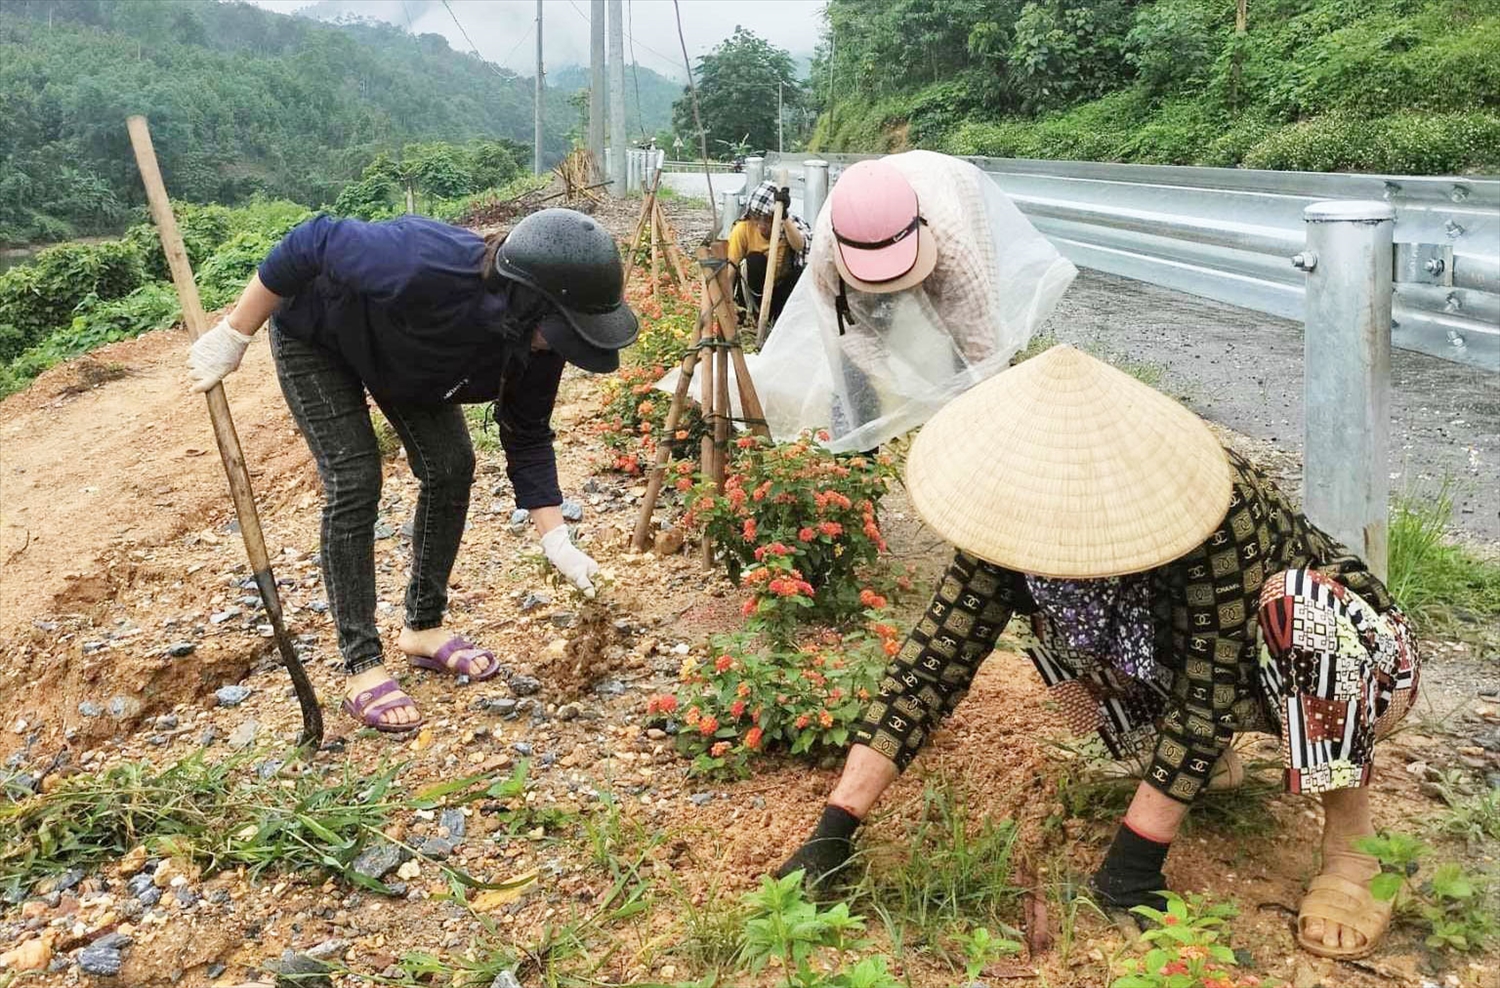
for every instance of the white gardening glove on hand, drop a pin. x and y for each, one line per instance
(215, 355)
(569, 560)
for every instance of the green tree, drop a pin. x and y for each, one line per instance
(737, 87)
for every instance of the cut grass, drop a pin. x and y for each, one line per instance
(1443, 586)
(1148, 373)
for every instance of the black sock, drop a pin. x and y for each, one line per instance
(827, 850)
(1131, 874)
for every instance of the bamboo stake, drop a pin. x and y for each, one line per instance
(641, 540)
(655, 250)
(750, 404)
(772, 257)
(647, 205)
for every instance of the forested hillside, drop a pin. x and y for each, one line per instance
(1409, 86)
(242, 101)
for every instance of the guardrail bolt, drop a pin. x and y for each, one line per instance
(1457, 339)
(1433, 266)
(1307, 260)
(1452, 303)
(1453, 230)
(1459, 193)
(1392, 189)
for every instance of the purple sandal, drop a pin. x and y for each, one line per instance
(367, 708)
(464, 665)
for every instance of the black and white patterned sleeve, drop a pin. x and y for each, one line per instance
(937, 662)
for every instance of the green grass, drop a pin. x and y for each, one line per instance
(482, 430)
(949, 873)
(1445, 587)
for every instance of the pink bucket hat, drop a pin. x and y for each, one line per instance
(881, 241)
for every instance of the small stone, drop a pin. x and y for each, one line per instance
(504, 706)
(185, 896)
(296, 970)
(139, 884)
(384, 531)
(572, 510)
(435, 847)
(102, 962)
(216, 969)
(376, 862)
(124, 706)
(505, 979)
(225, 615)
(327, 950)
(568, 711)
(409, 529)
(534, 600)
(455, 823)
(178, 650)
(701, 798)
(244, 735)
(150, 897)
(398, 889)
(681, 648)
(167, 722)
(33, 955)
(318, 607)
(522, 748)
(89, 708)
(518, 520)
(409, 870)
(232, 695)
(562, 619)
(268, 768)
(525, 685)
(207, 737)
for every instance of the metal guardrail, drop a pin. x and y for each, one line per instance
(1228, 234)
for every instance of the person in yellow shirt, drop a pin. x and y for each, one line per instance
(750, 244)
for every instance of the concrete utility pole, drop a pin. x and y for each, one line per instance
(540, 92)
(596, 87)
(617, 174)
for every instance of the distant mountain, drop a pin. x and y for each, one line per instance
(657, 94)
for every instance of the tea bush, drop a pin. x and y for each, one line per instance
(39, 297)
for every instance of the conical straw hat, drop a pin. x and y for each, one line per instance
(1063, 466)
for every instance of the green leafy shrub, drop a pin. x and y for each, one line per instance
(812, 946)
(1186, 948)
(1452, 903)
(1401, 143)
(797, 525)
(760, 696)
(39, 297)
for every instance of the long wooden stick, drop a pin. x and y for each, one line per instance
(641, 540)
(229, 443)
(772, 256)
(750, 405)
(655, 251)
(647, 204)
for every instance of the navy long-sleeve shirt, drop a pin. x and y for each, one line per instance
(403, 303)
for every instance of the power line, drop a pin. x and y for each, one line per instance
(668, 59)
(713, 207)
(473, 48)
(640, 114)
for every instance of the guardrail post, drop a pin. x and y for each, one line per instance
(729, 211)
(755, 171)
(814, 188)
(1347, 373)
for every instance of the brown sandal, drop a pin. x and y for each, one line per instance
(1336, 899)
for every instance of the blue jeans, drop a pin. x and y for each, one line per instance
(327, 400)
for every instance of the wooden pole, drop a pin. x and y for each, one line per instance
(229, 442)
(772, 257)
(719, 298)
(655, 250)
(647, 205)
(641, 540)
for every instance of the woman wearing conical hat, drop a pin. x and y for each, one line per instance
(1178, 599)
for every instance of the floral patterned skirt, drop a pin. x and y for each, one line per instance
(1334, 676)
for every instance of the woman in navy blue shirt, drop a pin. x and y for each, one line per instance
(424, 316)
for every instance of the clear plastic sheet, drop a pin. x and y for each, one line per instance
(905, 354)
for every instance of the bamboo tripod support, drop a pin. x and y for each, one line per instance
(717, 335)
(773, 257)
(663, 240)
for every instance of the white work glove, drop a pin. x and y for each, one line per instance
(569, 560)
(215, 355)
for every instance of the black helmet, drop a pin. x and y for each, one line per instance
(574, 262)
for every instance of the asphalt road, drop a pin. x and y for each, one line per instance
(1243, 369)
